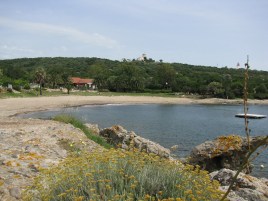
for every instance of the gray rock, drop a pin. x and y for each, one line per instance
(245, 188)
(119, 137)
(15, 192)
(223, 152)
(174, 147)
(94, 128)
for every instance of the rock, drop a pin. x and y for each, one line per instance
(118, 136)
(223, 152)
(246, 187)
(15, 192)
(174, 147)
(94, 128)
(26, 146)
(5, 195)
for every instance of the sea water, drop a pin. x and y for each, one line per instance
(169, 124)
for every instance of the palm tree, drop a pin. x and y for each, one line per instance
(40, 76)
(67, 81)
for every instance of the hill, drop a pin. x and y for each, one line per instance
(137, 76)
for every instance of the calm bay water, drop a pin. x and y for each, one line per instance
(168, 125)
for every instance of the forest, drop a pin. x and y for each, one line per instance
(134, 76)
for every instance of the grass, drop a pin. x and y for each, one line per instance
(78, 124)
(34, 93)
(122, 175)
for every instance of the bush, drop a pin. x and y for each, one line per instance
(123, 175)
(27, 86)
(103, 90)
(9, 90)
(261, 96)
(17, 87)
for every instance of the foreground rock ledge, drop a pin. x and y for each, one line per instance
(27, 145)
(246, 188)
(223, 152)
(118, 136)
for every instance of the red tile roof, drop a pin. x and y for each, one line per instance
(78, 80)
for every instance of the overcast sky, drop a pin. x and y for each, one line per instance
(208, 32)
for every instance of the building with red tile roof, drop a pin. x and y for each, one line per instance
(83, 82)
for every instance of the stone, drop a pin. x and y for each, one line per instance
(223, 152)
(174, 147)
(94, 128)
(245, 188)
(120, 137)
(15, 192)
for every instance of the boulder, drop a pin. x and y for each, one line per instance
(246, 188)
(119, 137)
(94, 128)
(223, 152)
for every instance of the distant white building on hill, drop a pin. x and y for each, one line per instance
(142, 58)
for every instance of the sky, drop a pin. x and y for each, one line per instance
(208, 32)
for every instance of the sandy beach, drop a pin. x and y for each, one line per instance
(12, 106)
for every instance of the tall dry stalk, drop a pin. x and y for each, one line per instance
(245, 98)
(245, 163)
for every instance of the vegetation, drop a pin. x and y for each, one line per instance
(136, 76)
(78, 124)
(123, 175)
(45, 92)
(40, 76)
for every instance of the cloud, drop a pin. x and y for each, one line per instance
(12, 51)
(14, 48)
(73, 34)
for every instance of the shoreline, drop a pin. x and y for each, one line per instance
(12, 106)
(30, 144)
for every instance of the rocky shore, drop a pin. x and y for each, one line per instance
(28, 145)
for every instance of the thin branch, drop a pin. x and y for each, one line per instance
(245, 162)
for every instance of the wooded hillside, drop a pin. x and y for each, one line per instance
(137, 76)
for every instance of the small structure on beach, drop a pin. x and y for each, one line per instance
(83, 82)
(250, 116)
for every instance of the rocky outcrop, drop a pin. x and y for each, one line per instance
(28, 145)
(93, 128)
(223, 152)
(118, 136)
(246, 188)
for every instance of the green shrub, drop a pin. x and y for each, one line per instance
(17, 87)
(9, 90)
(103, 90)
(261, 96)
(27, 86)
(123, 175)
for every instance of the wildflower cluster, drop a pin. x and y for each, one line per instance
(122, 175)
(225, 143)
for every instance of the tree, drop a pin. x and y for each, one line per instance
(40, 76)
(100, 75)
(67, 82)
(226, 83)
(54, 75)
(261, 88)
(165, 75)
(237, 89)
(215, 89)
